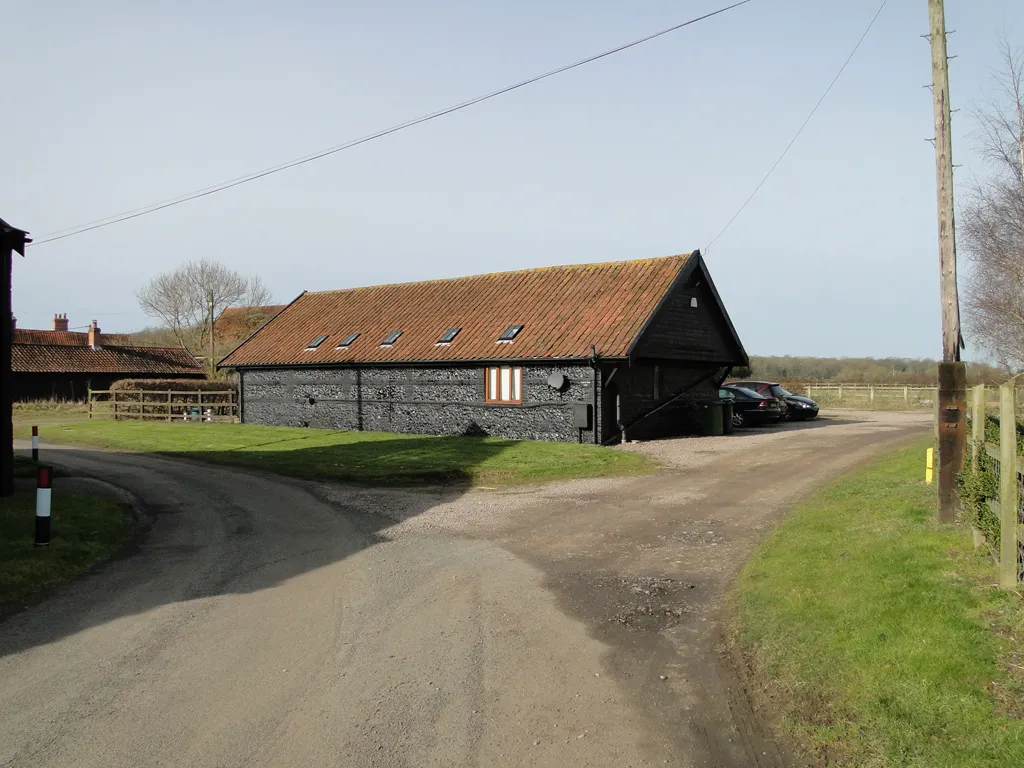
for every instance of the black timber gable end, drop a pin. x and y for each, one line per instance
(677, 330)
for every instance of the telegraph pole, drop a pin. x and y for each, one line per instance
(952, 389)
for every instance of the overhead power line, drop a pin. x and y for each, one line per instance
(143, 211)
(800, 130)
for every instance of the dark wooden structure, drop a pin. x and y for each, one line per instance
(65, 365)
(12, 240)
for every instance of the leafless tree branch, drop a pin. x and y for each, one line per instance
(991, 227)
(189, 299)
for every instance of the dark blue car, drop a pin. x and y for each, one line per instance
(795, 407)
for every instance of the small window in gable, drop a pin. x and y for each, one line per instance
(347, 341)
(449, 336)
(509, 334)
(316, 342)
(391, 338)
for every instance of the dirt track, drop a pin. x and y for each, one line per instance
(267, 623)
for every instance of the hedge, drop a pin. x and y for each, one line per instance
(176, 385)
(148, 398)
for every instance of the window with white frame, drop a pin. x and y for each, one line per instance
(504, 385)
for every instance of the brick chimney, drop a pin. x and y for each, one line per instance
(60, 322)
(94, 336)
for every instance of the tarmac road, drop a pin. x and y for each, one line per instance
(265, 622)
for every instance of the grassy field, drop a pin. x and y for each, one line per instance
(878, 634)
(371, 458)
(41, 412)
(86, 530)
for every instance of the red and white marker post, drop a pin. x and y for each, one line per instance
(44, 489)
(35, 444)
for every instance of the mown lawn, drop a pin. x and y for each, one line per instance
(85, 531)
(878, 634)
(370, 458)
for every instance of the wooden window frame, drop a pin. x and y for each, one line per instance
(515, 383)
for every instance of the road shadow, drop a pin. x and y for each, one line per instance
(207, 530)
(821, 422)
(739, 433)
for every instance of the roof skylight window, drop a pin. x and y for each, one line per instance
(509, 334)
(449, 336)
(391, 338)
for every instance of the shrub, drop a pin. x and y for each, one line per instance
(975, 489)
(148, 398)
(176, 385)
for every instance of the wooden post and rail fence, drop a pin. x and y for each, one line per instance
(870, 394)
(1006, 507)
(163, 405)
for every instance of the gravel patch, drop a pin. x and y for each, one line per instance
(693, 452)
(473, 512)
(480, 512)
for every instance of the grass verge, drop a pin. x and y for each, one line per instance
(878, 635)
(370, 458)
(86, 530)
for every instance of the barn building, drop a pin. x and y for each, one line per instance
(572, 353)
(62, 364)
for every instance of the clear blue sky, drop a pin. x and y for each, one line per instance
(114, 105)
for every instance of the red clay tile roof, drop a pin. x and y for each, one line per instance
(237, 323)
(67, 338)
(563, 310)
(38, 358)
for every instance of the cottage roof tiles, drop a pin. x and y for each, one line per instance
(40, 358)
(67, 338)
(239, 322)
(563, 310)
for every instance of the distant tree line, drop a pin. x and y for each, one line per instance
(860, 370)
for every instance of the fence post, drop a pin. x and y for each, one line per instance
(1008, 484)
(169, 405)
(809, 391)
(906, 395)
(90, 402)
(114, 396)
(871, 395)
(840, 393)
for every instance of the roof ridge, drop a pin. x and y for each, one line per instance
(146, 346)
(529, 270)
(108, 346)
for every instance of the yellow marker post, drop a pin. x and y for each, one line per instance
(929, 465)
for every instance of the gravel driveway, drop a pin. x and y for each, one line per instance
(265, 622)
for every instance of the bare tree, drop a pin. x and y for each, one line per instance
(992, 218)
(188, 299)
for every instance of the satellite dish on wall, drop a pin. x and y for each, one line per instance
(558, 381)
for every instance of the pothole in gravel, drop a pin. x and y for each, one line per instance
(643, 604)
(656, 604)
(699, 533)
(698, 538)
